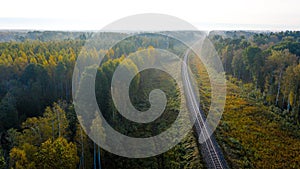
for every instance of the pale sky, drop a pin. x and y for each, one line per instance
(205, 15)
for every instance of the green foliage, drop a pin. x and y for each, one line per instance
(36, 74)
(53, 124)
(292, 46)
(184, 155)
(2, 160)
(254, 61)
(9, 114)
(35, 148)
(19, 160)
(250, 134)
(259, 128)
(57, 154)
(51, 154)
(269, 61)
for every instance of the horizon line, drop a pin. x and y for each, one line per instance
(61, 24)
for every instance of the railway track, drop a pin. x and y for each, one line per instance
(210, 149)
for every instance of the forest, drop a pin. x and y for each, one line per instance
(40, 129)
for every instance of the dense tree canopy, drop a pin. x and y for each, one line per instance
(39, 127)
(268, 61)
(40, 130)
